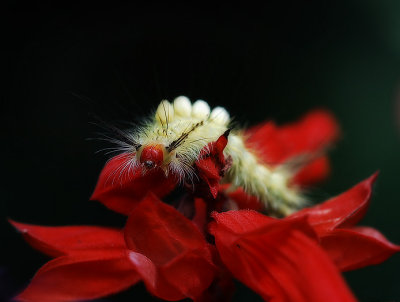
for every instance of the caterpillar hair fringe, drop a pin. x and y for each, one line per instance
(176, 133)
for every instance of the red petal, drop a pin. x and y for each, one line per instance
(242, 221)
(314, 132)
(120, 188)
(222, 290)
(211, 164)
(277, 144)
(83, 276)
(223, 286)
(200, 216)
(57, 241)
(344, 210)
(209, 173)
(168, 250)
(220, 145)
(357, 247)
(245, 201)
(192, 273)
(156, 282)
(208, 169)
(160, 232)
(280, 261)
(313, 172)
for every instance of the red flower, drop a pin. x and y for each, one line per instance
(168, 251)
(161, 247)
(90, 262)
(258, 249)
(349, 246)
(297, 258)
(278, 259)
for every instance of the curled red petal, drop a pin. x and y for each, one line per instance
(220, 145)
(121, 186)
(209, 172)
(57, 241)
(211, 165)
(168, 250)
(83, 276)
(344, 210)
(280, 261)
(357, 247)
(310, 135)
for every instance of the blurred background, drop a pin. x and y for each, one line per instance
(274, 61)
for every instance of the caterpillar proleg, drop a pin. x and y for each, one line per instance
(174, 136)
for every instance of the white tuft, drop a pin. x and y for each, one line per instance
(165, 112)
(200, 109)
(182, 106)
(220, 116)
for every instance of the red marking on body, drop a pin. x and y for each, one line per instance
(152, 156)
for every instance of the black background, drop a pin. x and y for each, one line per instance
(118, 60)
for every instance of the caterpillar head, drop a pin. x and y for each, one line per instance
(152, 155)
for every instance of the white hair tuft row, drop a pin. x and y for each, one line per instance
(182, 107)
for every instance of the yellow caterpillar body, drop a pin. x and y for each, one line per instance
(174, 137)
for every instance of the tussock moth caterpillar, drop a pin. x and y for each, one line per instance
(173, 138)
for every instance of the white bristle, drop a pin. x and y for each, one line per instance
(200, 109)
(165, 112)
(220, 116)
(182, 106)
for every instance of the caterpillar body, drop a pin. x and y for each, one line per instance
(173, 138)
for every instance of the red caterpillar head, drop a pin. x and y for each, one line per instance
(151, 156)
